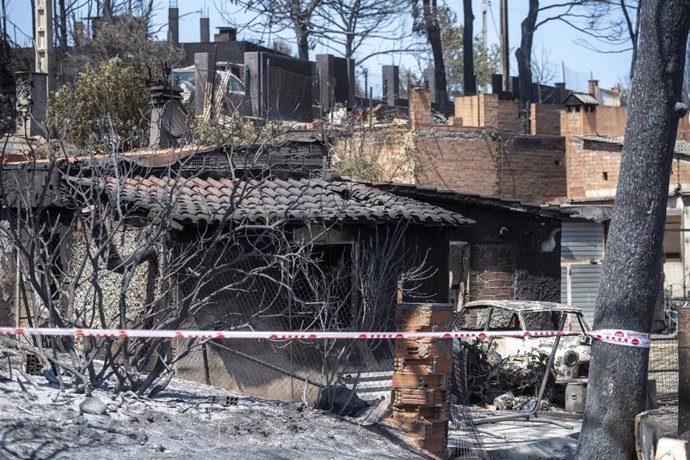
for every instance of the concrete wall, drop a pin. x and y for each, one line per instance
(280, 87)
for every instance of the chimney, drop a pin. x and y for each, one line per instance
(204, 30)
(174, 25)
(226, 34)
(593, 88)
(496, 83)
(391, 83)
(561, 92)
(168, 117)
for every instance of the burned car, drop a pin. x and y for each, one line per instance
(486, 367)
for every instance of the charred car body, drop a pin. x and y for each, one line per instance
(489, 366)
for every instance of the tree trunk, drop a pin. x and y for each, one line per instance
(469, 80)
(433, 35)
(302, 36)
(62, 25)
(632, 279)
(524, 54)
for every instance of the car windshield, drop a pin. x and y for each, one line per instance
(504, 320)
(234, 84)
(542, 320)
(180, 75)
(473, 319)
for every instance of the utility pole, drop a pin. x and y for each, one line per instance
(505, 47)
(484, 32)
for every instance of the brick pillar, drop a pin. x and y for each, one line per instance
(422, 377)
(420, 108)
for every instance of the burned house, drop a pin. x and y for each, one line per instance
(175, 239)
(512, 254)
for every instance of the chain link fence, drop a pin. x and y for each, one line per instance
(663, 369)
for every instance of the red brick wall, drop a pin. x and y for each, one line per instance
(532, 169)
(464, 164)
(507, 118)
(491, 271)
(545, 119)
(521, 167)
(420, 108)
(487, 111)
(586, 168)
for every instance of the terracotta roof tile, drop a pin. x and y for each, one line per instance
(207, 200)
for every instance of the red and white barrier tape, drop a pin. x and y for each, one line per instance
(619, 337)
(623, 337)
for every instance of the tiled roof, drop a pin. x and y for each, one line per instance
(211, 200)
(441, 196)
(582, 98)
(682, 147)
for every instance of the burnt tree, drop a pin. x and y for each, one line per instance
(588, 17)
(524, 53)
(632, 279)
(427, 24)
(469, 80)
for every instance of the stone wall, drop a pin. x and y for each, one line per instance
(110, 277)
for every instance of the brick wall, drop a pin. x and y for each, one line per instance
(420, 108)
(521, 167)
(462, 163)
(487, 111)
(610, 121)
(422, 378)
(491, 271)
(545, 119)
(507, 118)
(593, 169)
(375, 154)
(532, 169)
(467, 110)
(684, 128)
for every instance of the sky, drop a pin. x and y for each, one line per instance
(558, 41)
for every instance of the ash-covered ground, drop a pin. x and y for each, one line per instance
(187, 420)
